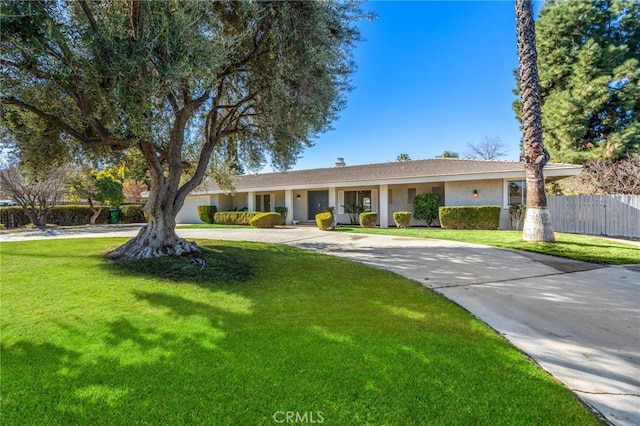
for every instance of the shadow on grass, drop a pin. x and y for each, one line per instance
(224, 265)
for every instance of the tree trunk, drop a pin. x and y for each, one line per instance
(158, 238)
(537, 222)
(37, 218)
(94, 217)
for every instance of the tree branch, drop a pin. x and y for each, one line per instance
(89, 15)
(106, 139)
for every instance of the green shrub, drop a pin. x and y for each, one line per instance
(132, 213)
(207, 213)
(368, 219)
(13, 217)
(282, 211)
(324, 221)
(402, 219)
(233, 218)
(75, 215)
(266, 220)
(467, 217)
(425, 207)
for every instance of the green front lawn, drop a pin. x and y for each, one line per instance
(570, 246)
(263, 330)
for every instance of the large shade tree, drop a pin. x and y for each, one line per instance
(537, 223)
(589, 64)
(178, 80)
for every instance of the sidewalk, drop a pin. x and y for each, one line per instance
(579, 321)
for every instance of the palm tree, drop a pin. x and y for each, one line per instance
(403, 157)
(537, 222)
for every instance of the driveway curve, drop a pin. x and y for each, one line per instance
(578, 321)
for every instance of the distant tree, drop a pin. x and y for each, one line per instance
(403, 157)
(603, 176)
(99, 189)
(35, 194)
(537, 222)
(133, 190)
(448, 154)
(178, 80)
(489, 148)
(589, 64)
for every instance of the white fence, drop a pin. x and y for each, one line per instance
(612, 215)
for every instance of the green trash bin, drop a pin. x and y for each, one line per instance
(113, 215)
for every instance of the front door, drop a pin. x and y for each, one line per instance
(318, 203)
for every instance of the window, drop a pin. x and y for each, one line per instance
(263, 203)
(517, 191)
(357, 200)
(412, 195)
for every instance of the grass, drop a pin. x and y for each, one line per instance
(571, 246)
(263, 329)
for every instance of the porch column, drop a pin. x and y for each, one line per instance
(383, 207)
(333, 200)
(251, 201)
(288, 203)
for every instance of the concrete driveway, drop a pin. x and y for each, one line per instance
(579, 321)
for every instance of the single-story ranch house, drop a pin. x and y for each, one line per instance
(384, 188)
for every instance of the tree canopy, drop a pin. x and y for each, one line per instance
(589, 66)
(180, 80)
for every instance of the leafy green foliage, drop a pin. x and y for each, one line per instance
(266, 220)
(207, 213)
(131, 213)
(402, 219)
(368, 219)
(425, 207)
(182, 81)
(470, 217)
(283, 213)
(448, 154)
(110, 190)
(589, 65)
(234, 218)
(324, 221)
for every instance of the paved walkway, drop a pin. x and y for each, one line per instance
(579, 321)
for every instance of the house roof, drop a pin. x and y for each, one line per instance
(394, 172)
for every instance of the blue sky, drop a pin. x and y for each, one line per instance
(432, 76)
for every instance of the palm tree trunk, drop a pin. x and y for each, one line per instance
(537, 222)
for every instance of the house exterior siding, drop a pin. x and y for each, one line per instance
(393, 186)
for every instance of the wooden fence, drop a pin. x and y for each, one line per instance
(612, 215)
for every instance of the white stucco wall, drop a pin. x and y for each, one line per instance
(399, 198)
(490, 193)
(189, 211)
(461, 193)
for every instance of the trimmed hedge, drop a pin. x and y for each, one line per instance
(14, 216)
(131, 213)
(470, 217)
(402, 219)
(207, 213)
(266, 220)
(368, 219)
(233, 218)
(324, 221)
